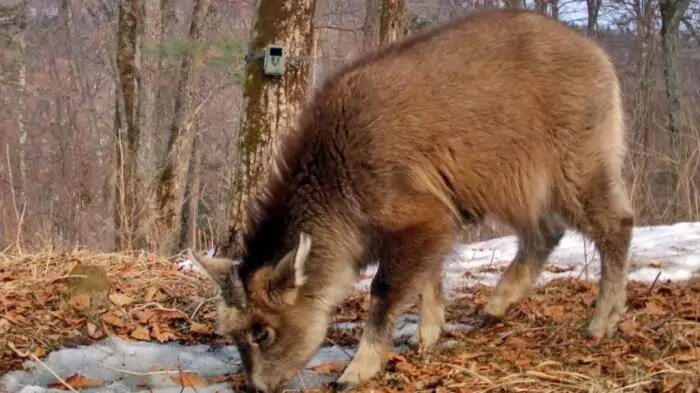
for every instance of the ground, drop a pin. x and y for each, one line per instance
(138, 323)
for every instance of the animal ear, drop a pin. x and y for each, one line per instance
(218, 269)
(290, 274)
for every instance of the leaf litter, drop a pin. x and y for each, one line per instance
(539, 347)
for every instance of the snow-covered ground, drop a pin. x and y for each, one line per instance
(669, 252)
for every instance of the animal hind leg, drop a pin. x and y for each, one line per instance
(536, 244)
(410, 258)
(610, 219)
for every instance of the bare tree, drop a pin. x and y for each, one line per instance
(170, 190)
(188, 237)
(21, 105)
(370, 28)
(126, 123)
(513, 3)
(151, 34)
(593, 7)
(384, 22)
(272, 103)
(672, 13)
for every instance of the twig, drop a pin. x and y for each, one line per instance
(146, 373)
(36, 359)
(341, 348)
(651, 287)
(465, 370)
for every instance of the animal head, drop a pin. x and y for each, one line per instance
(275, 329)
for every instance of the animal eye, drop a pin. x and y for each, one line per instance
(260, 333)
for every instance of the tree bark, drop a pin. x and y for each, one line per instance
(392, 20)
(554, 9)
(272, 103)
(170, 191)
(370, 29)
(385, 22)
(593, 12)
(672, 12)
(21, 105)
(125, 124)
(189, 214)
(151, 33)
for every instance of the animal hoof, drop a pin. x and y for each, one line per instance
(488, 320)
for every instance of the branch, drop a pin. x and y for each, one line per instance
(330, 27)
(691, 29)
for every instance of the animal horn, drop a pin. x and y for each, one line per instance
(235, 295)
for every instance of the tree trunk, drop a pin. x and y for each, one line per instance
(151, 33)
(554, 9)
(370, 29)
(125, 124)
(272, 103)
(513, 3)
(385, 22)
(21, 105)
(541, 6)
(170, 191)
(392, 20)
(593, 12)
(672, 12)
(189, 214)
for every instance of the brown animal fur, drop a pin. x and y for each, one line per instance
(507, 114)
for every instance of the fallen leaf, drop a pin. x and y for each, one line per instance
(141, 333)
(395, 357)
(145, 316)
(331, 367)
(93, 331)
(170, 314)
(689, 356)
(114, 320)
(162, 333)
(150, 293)
(189, 380)
(77, 381)
(4, 325)
(120, 299)
(629, 326)
(201, 328)
(80, 301)
(556, 311)
(40, 352)
(653, 308)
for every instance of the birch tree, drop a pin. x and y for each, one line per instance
(272, 103)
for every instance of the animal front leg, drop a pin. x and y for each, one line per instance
(375, 343)
(412, 258)
(431, 314)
